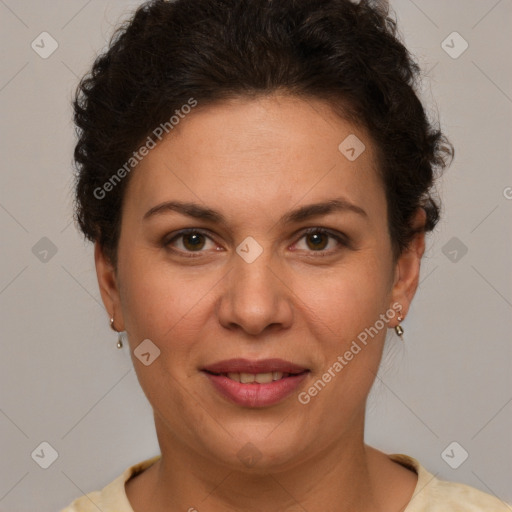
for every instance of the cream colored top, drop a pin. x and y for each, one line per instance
(430, 495)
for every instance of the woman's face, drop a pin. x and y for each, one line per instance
(248, 282)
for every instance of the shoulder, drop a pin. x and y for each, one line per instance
(86, 503)
(112, 498)
(433, 494)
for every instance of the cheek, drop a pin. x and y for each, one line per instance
(164, 306)
(349, 298)
(343, 312)
(161, 303)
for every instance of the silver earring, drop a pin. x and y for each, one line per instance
(398, 328)
(119, 335)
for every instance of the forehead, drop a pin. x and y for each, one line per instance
(260, 153)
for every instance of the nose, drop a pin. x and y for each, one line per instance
(255, 297)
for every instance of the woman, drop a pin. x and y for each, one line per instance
(256, 176)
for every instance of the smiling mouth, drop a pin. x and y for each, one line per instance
(256, 378)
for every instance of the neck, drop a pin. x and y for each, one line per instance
(336, 479)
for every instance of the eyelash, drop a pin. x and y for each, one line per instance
(341, 239)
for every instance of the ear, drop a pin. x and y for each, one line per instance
(108, 284)
(407, 269)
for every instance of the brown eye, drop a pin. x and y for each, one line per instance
(189, 241)
(317, 240)
(322, 241)
(193, 241)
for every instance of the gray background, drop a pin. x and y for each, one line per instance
(63, 380)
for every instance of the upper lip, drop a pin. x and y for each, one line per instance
(240, 365)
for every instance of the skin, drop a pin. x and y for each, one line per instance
(254, 160)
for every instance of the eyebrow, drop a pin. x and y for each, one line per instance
(298, 215)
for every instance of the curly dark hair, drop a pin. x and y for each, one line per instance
(349, 54)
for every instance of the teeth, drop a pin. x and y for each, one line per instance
(260, 378)
(263, 378)
(246, 378)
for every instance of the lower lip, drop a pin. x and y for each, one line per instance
(253, 394)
